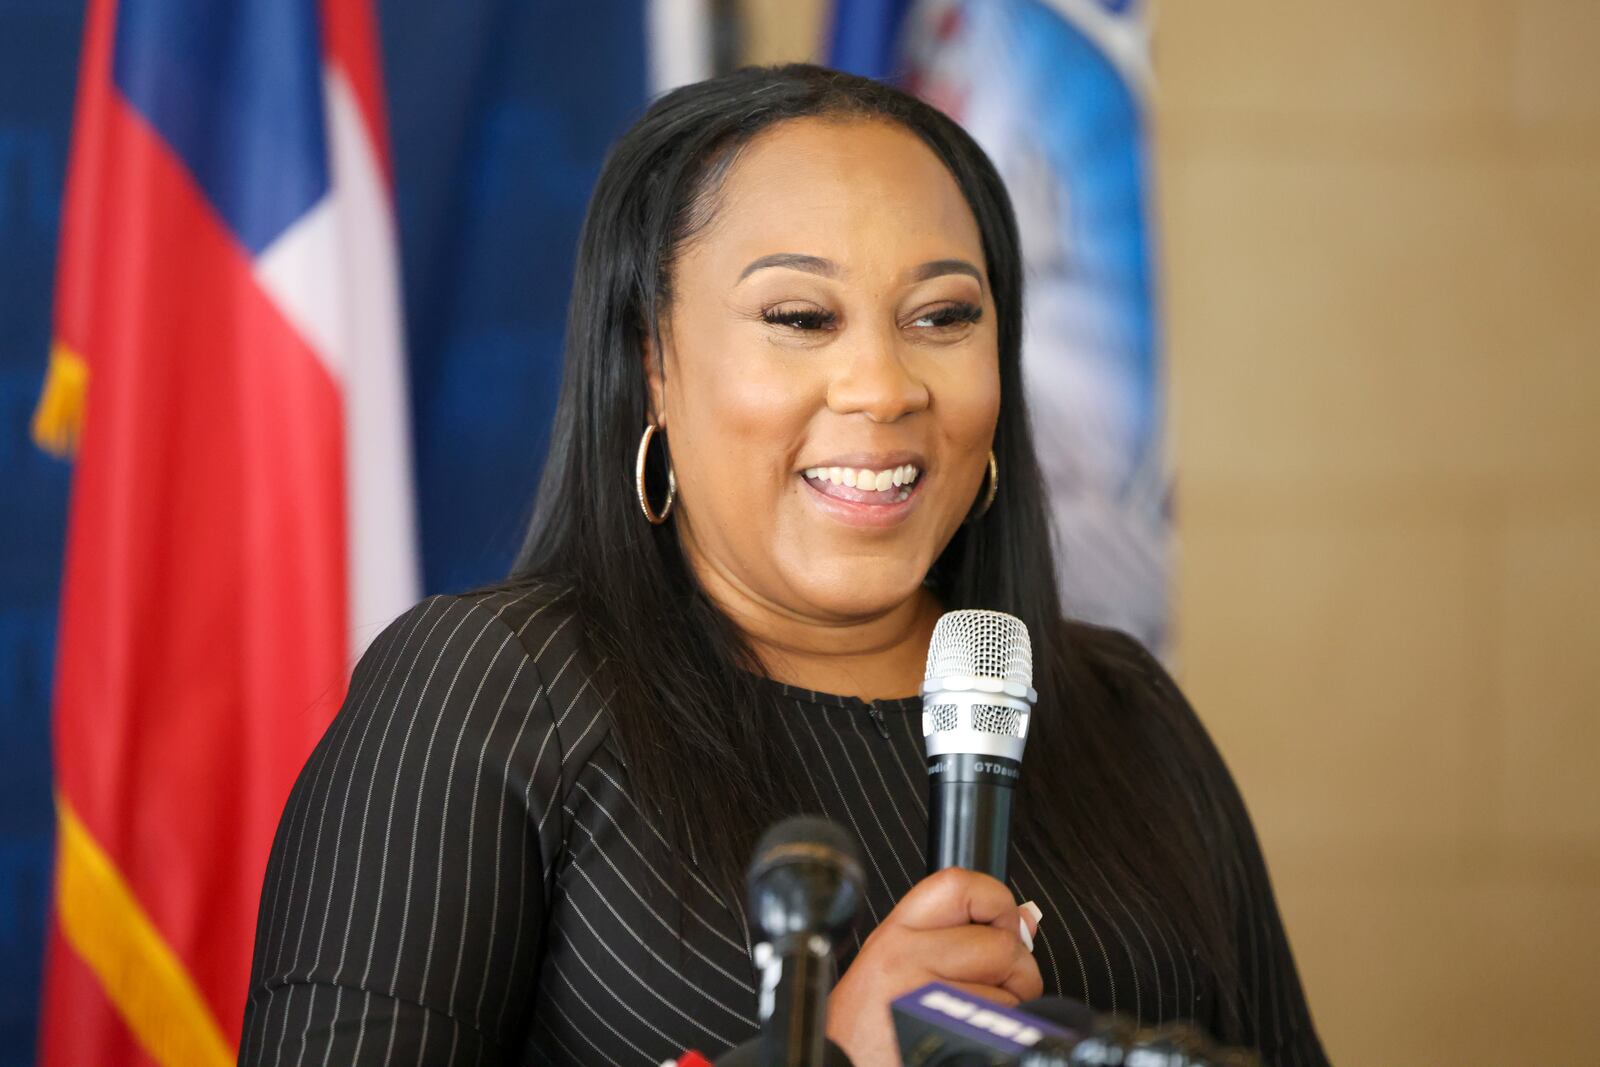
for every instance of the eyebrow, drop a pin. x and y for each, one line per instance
(946, 266)
(829, 269)
(794, 261)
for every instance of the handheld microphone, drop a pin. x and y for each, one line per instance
(805, 885)
(977, 698)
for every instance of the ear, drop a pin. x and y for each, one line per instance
(653, 357)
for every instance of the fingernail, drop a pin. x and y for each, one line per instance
(1033, 909)
(1025, 933)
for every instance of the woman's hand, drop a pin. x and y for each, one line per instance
(957, 927)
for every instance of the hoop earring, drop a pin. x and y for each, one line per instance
(994, 485)
(638, 480)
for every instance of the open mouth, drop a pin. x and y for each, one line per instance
(862, 485)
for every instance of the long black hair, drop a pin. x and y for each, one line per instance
(686, 680)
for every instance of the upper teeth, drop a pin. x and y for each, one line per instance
(863, 478)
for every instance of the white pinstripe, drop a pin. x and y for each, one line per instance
(572, 1025)
(361, 1033)
(472, 831)
(1061, 917)
(707, 960)
(304, 812)
(522, 839)
(1127, 946)
(605, 944)
(915, 789)
(646, 986)
(866, 799)
(316, 852)
(616, 826)
(527, 792)
(388, 827)
(472, 821)
(427, 757)
(866, 898)
(712, 893)
(327, 1053)
(522, 860)
(449, 795)
(559, 973)
(917, 847)
(558, 794)
(499, 826)
(344, 808)
(366, 812)
(295, 869)
(1172, 960)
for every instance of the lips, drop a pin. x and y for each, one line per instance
(844, 486)
(864, 509)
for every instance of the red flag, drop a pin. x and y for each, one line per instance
(227, 365)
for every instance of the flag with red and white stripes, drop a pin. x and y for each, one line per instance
(228, 373)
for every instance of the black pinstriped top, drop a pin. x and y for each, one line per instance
(462, 877)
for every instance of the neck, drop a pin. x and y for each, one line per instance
(875, 656)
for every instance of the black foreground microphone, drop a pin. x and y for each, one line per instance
(805, 886)
(977, 698)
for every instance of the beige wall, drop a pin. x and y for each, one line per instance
(1381, 250)
(1382, 263)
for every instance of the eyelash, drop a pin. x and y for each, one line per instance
(807, 320)
(803, 320)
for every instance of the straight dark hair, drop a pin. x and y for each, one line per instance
(686, 682)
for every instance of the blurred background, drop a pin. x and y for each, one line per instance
(1370, 361)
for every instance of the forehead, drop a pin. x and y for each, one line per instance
(858, 191)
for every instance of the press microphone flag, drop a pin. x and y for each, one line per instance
(939, 1025)
(977, 700)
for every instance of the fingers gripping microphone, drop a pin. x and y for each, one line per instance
(977, 699)
(805, 886)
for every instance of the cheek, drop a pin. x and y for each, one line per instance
(966, 401)
(735, 422)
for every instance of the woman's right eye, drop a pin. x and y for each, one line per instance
(805, 319)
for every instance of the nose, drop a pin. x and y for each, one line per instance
(875, 380)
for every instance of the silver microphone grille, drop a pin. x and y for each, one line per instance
(981, 644)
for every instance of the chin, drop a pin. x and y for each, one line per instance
(854, 592)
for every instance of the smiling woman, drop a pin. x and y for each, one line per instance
(793, 387)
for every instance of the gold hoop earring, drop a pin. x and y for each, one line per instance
(638, 480)
(994, 485)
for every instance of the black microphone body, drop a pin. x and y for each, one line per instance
(969, 811)
(791, 1030)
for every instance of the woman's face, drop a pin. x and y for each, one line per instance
(829, 375)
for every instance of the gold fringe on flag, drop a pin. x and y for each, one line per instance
(58, 420)
(141, 975)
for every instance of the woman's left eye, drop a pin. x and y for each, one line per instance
(948, 316)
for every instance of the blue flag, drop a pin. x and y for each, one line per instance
(1055, 92)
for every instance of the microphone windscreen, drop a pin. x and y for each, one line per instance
(981, 644)
(807, 839)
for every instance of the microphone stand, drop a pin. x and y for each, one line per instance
(796, 974)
